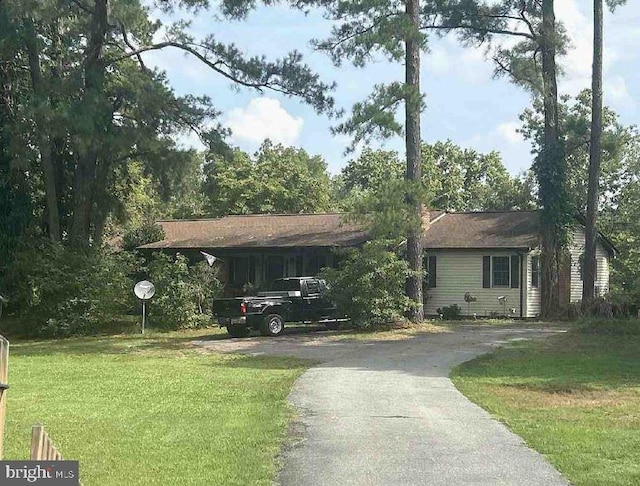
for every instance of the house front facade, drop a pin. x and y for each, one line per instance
(487, 263)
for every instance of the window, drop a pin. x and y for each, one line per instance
(315, 264)
(430, 272)
(500, 271)
(313, 287)
(241, 270)
(274, 268)
(285, 284)
(535, 272)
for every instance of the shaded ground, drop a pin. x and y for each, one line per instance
(385, 412)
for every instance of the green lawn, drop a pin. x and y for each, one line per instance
(575, 398)
(151, 411)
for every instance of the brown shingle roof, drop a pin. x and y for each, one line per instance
(504, 229)
(499, 229)
(260, 231)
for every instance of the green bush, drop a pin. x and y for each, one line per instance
(147, 232)
(183, 294)
(55, 291)
(451, 312)
(369, 285)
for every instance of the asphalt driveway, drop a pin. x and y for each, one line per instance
(386, 413)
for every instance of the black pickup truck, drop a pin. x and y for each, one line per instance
(295, 299)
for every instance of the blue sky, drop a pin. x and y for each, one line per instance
(464, 102)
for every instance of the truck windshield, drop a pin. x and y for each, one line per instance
(285, 285)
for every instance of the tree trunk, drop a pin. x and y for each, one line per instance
(414, 168)
(93, 106)
(550, 173)
(595, 156)
(43, 137)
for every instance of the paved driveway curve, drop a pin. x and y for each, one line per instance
(386, 413)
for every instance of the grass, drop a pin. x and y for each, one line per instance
(575, 398)
(143, 411)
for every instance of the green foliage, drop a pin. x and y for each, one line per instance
(56, 292)
(277, 179)
(575, 125)
(147, 232)
(84, 113)
(454, 179)
(450, 312)
(183, 293)
(385, 210)
(459, 179)
(369, 285)
(619, 182)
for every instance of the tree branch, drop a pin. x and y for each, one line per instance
(125, 37)
(484, 30)
(202, 58)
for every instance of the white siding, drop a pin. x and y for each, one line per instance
(576, 248)
(533, 294)
(459, 272)
(602, 257)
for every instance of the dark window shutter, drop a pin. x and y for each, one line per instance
(515, 271)
(432, 272)
(486, 272)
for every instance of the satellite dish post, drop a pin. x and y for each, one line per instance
(144, 290)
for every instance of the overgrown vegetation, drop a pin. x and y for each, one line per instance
(575, 398)
(184, 292)
(57, 291)
(451, 312)
(369, 285)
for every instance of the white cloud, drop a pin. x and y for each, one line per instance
(447, 58)
(617, 91)
(509, 131)
(263, 118)
(514, 149)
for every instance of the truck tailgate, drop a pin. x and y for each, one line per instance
(227, 307)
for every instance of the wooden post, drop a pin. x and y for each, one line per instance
(37, 442)
(4, 368)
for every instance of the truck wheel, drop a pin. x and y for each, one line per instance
(238, 331)
(273, 325)
(332, 326)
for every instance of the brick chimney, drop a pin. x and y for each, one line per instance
(425, 216)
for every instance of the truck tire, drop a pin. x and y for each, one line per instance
(273, 325)
(332, 326)
(238, 331)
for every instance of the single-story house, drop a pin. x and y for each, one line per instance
(485, 262)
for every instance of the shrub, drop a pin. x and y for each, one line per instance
(451, 312)
(56, 291)
(147, 232)
(183, 293)
(369, 285)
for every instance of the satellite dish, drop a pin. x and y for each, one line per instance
(144, 290)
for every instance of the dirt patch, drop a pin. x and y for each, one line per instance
(560, 396)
